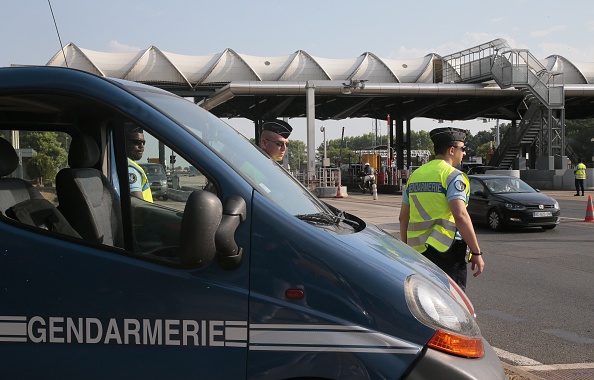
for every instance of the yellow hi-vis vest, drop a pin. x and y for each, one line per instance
(580, 171)
(147, 195)
(431, 221)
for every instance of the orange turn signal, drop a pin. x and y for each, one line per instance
(457, 345)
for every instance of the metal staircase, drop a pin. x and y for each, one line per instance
(542, 113)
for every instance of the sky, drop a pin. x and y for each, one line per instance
(335, 29)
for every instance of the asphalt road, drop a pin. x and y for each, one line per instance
(535, 300)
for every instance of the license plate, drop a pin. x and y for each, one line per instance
(540, 214)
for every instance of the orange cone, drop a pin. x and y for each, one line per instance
(338, 193)
(589, 210)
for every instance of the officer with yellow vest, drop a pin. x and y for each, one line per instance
(433, 217)
(580, 177)
(139, 184)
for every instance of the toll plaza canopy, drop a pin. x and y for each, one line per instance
(230, 84)
(489, 81)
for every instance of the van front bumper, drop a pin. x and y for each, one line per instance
(438, 365)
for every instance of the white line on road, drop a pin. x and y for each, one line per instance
(553, 367)
(528, 364)
(516, 359)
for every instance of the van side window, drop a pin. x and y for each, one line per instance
(159, 181)
(30, 162)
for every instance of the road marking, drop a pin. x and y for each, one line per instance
(553, 367)
(515, 358)
(568, 335)
(528, 364)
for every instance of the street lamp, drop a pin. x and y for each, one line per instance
(323, 129)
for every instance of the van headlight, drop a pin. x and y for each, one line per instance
(451, 314)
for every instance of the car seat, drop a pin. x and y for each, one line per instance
(87, 198)
(13, 190)
(21, 201)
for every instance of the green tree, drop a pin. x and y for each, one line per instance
(420, 141)
(297, 153)
(50, 153)
(346, 149)
(42, 166)
(483, 150)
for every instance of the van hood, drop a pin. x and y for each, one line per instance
(348, 279)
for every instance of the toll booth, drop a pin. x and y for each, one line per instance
(379, 158)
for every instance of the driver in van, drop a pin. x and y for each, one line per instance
(274, 138)
(139, 184)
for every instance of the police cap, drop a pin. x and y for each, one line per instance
(445, 136)
(277, 126)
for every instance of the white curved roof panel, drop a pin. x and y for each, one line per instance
(571, 74)
(194, 68)
(302, 68)
(155, 66)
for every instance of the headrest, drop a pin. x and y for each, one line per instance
(83, 153)
(8, 158)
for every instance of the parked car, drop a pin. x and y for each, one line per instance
(157, 178)
(507, 201)
(252, 277)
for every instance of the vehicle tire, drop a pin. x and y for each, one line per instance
(549, 227)
(495, 220)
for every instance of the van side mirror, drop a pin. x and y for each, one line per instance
(208, 229)
(234, 213)
(202, 215)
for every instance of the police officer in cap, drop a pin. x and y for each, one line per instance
(433, 217)
(274, 138)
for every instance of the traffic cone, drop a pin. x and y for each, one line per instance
(589, 210)
(338, 193)
(341, 192)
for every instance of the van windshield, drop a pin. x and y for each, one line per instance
(265, 175)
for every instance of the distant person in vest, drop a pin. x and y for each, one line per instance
(433, 217)
(580, 177)
(139, 185)
(274, 138)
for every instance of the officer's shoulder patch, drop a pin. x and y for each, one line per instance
(132, 177)
(459, 185)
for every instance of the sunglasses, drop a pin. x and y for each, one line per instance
(137, 142)
(280, 144)
(462, 148)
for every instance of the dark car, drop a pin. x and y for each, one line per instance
(507, 201)
(157, 179)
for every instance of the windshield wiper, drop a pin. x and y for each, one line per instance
(319, 218)
(324, 218)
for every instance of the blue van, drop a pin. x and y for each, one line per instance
(247, 276)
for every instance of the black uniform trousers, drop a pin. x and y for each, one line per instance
(453, 261)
